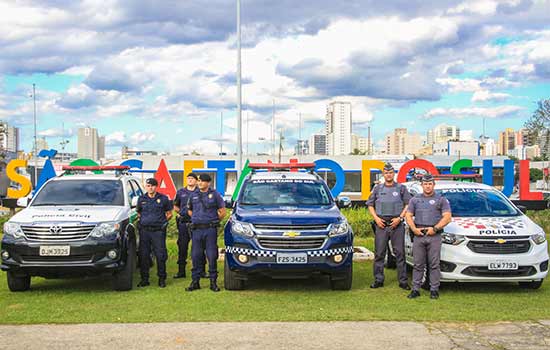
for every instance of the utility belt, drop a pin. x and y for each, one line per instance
(184, 219)
(153, 227)
(202, 226)
(424, 230)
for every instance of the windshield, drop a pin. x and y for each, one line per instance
(285, 192)
(80, 192)
(478, 202)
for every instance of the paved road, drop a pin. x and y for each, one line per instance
(283, 335)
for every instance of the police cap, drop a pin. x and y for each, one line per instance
(152, 181)
(193, 175)
(388, 167)
(427, 178)
(205, 177)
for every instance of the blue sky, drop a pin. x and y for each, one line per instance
(153, 75)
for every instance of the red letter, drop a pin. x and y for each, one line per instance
(166, 184)
(525, 193)
(415, 163)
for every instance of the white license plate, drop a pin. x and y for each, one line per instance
(294, 258)
(503, 265)
(55, 250)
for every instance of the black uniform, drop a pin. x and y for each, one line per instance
(184, 221)
(152, 232)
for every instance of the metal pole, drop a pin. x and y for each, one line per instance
(239, 97)
(273, 129)
(34, 147)
(221, 133)
(247, 128)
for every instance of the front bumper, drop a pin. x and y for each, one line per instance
(87, 257)
(460, 264)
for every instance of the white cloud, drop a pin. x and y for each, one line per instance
(483, 112)
(486, 95)
(140, 137)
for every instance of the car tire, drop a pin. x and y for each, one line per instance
(123, 279)
(230, 282)
(18, 283)
(345, 283)
(391, 262)
(531, 284)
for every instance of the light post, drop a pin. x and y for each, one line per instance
(239, 97)
(35, 151)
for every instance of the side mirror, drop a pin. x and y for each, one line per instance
(343, 202)
(23, 202)
(134, 202)
(522, 208)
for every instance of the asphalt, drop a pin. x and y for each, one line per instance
(281, 335)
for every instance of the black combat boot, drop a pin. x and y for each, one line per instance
(144, 282)
(214, 286)
(194, 285)
(181, 272)
(162, 282)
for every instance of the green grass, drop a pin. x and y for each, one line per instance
(91, 300)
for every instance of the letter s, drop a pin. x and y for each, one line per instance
(14, 176)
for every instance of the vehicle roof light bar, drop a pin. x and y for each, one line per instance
(282, 166)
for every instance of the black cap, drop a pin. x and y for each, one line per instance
(388, 167)
(152, 181)
(193, 175)
(427, 178)
(205, 177)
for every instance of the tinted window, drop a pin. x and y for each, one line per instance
(478, 202)
(285, 192)
(81, 192)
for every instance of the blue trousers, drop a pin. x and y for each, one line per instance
(204, 240)
(183, 242)
(157, 241)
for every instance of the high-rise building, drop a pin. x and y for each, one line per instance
(302, 147)
(360, 143)
(400, 142)
(41, 144)
(466, 135)
(338, 128)
(488, 147)
(443, 133)
(318, 144)
(9, 137)
(507, 141)
(89, 144)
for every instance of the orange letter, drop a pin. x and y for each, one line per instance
(188, 167)
(14, 176)
(366, 166)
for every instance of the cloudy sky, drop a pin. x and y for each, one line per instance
(159, 74)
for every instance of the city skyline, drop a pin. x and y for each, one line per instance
(158, 78)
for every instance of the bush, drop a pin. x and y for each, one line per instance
(359, 219)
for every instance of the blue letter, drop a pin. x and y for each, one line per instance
(338, 173)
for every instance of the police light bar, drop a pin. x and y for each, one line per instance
(280, 166)
(457, 176)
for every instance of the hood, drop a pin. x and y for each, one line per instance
(284, 215)
(493, 226)
(82, 214)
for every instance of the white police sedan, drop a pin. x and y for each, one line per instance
(489, 239)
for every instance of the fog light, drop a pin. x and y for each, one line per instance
(5, 255)
(112, 254)
(338, 258)
(243, 259)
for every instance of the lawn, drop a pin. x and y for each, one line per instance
(91, 300)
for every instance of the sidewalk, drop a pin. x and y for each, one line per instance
(283, 335)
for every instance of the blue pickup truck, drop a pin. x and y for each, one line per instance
(286, 224)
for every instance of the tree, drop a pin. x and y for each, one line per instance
(539, 126)
(535, 174)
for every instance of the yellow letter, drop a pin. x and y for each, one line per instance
(188, 166)
(366, 166)
(14, 176)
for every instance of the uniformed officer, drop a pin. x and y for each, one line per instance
(206, 209)
(428, 213)
(184, 221)
(388, 204)
(154, 210)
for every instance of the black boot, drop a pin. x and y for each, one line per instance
(144, 282)
(181, 272)
(214, 286)
(162, 282)
(194, 285)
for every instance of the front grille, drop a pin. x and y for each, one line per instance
(66, 233)
(509, 247)
(277, 227)
(483, 271)
(56, 259)
(291, 243)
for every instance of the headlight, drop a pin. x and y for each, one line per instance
(242, 228)
(13, 229)
(539, 238)
(451, 238)
(105, 230)
(338, 229)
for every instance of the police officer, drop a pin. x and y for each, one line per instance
(428, 213)
(184, 221)
(206, 209)
(388, 204)
(154, 210)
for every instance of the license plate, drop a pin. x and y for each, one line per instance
(296, 258)
(503, 265)
(55, 250)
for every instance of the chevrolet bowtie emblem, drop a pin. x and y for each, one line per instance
(500, 241)
(291, 234)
